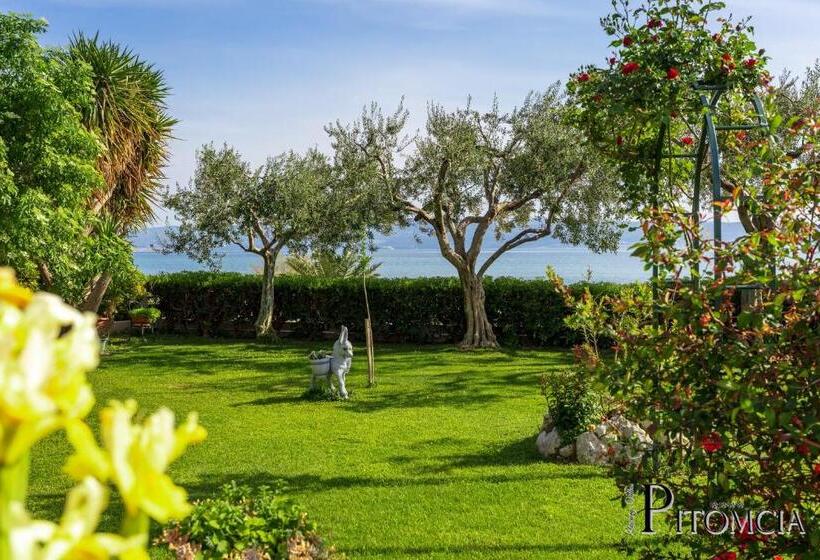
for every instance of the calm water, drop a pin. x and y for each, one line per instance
(572, 263)
(402, 255)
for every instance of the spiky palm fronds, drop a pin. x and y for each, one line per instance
(129, 115)
(329, 264)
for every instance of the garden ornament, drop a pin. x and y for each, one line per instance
(341, 360)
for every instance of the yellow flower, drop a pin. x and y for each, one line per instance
(46, 348)
(11, 292)
(135, 457)
(74, 537)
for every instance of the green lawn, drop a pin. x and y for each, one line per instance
(437, 461)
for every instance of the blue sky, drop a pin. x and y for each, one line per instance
(266, 76)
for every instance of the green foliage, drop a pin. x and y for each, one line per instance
(643, 100)
(423, 310)
(737, 375)
(326, 263)
(150, 314)
(571, 403)
(47, 165)
(318, 354)
(240, 518)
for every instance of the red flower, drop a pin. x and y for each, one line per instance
(653, 23)
(750, 63)
(727, 555)
(727, 57)
(583, 77)
(711, 442)
(619, 140)
(816, 469)
(629, 67)
(687, 140)
(597, 98)
(628, 41)
(797, 422)
(741, 135)
(803, 448)
(672, 73)
(612, 61)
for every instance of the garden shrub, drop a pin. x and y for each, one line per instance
(417, 310)
(150, 314)
(245, 522)
(572, 404)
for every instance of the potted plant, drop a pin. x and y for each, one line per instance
(319, 362)
(143, 318)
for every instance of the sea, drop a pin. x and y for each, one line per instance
(406, 253)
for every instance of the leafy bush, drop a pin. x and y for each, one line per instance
(241, 520)
(318, 355)
(571, 403)
(419, 310)
(150, 314)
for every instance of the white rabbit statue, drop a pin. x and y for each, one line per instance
(341, 360)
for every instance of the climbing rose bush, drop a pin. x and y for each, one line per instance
(46, 349)
(643, 91)
(739, 380)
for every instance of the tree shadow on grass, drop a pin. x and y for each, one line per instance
(572, 550)
(208, 483)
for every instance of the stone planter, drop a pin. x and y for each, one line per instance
(320, 367)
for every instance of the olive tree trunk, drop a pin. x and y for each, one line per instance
(479, 331)
(264, 320)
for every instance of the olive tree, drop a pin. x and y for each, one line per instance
(284, 203)
(525, 174)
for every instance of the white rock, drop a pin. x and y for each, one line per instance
(590, 450)
(548, 443)
(600, 430)
(567, 451)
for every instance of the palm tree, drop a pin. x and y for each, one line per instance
(327, 263)
(129, 115)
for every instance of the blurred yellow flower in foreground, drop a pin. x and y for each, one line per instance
(46, 348)
(135, 457)
(74, 538)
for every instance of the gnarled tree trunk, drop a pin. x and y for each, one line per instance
(264, 320)
(479, 331)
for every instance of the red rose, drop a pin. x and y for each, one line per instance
(629, 67)
(750, 63)
(687, 140)
(803, 448)
(628, 41)
(711, 442)
(583, 77)
(672, 73)
(653, 23)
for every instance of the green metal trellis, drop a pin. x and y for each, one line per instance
(709, 98)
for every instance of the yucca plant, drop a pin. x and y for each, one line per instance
(129, 116)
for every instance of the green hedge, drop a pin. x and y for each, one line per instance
(420, 310)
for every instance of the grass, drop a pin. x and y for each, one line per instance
(437, 461)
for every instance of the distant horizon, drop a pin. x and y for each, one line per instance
(268, 76)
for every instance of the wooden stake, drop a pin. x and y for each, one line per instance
(368, 335)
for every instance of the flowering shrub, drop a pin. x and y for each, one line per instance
(739, 380)
(572, 404)
(730, 359)
(46, 349)
(660, 51)
(241, 522)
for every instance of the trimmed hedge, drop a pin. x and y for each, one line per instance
(419, 310)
